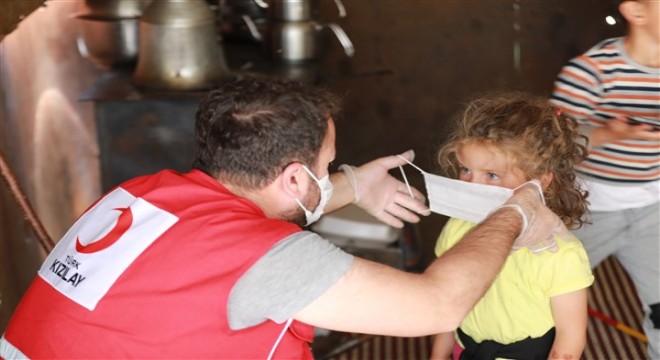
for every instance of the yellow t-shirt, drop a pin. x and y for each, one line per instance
(517, 305)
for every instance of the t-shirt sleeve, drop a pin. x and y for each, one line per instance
(295, 272)
(571, 270)
(577, 88)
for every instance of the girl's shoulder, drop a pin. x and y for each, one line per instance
(452, 233)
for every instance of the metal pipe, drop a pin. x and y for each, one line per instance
(46, 242)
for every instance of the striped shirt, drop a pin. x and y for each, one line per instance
(605, 83)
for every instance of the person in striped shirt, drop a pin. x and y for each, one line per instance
(613, 90)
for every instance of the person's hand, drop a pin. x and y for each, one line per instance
(622, 129)
(540, 224)
(385, 197)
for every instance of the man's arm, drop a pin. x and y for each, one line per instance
(374, 298)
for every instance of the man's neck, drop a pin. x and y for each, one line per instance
(259, 197)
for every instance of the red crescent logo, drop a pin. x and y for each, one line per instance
(124, 222)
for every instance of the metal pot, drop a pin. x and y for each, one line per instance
(299, 41)
(113, 9)
(107, 42)
(232, 25)
(179, 47)
(296, 10)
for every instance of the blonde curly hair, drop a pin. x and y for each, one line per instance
(537, 135)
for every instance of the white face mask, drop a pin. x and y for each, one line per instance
(461, 199)
(326, 193)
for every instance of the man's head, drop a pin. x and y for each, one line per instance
(248, 131)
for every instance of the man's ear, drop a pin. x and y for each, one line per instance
(294, 180)
(633, 12)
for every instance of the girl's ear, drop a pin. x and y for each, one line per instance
(293, 180)
(546, 179)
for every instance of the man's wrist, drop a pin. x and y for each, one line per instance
(510, 217)
(349, 171)
(519, 210)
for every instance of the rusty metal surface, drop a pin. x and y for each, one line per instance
(26, 209)
(46, 136)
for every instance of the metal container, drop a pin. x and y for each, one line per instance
(296, 10)
(113, 9)
(232, 25)
(107, 42)
(299, 41)
(180, 47)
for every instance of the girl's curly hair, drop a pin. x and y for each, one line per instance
(533, 132)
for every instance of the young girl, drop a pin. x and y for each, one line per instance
(537, 306)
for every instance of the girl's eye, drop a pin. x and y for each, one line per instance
(464, 170)
(493, 176)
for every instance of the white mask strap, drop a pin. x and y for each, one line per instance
(411, 164)
(325, 187)
(403, 173)
(311, 174)
(279, 338)
(405, 179)
(538, 186)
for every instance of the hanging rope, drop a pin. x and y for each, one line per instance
(29, 214)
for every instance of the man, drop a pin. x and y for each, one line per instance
(214, 264)
(614, 91)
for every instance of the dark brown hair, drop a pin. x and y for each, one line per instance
(248, 130)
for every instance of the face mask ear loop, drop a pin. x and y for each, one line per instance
(405, 179)
(311, 174)
(403, 173)
(538, 187)
(411, 164)
(301, 205)
(297, 200)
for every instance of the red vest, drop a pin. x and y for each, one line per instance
(170, 301)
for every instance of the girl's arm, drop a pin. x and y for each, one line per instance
(443, 346)
(570, 314)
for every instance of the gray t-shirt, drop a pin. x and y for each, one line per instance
(295, 272)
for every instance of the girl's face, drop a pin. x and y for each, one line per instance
(487, 164)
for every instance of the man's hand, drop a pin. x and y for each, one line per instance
(540, 223)
(385, 197)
